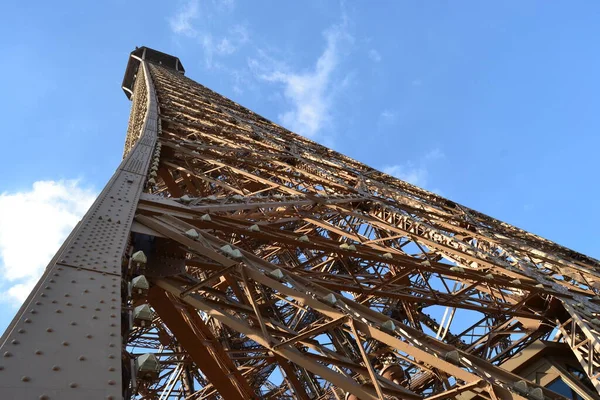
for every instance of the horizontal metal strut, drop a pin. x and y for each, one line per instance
(259, 264)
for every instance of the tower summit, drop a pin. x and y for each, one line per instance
(230, 258)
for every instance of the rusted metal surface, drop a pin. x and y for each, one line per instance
(280, 269)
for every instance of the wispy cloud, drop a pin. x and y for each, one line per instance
(416, 173)
(374, 55)
(222, 46)
(409, 172)
(33, 225)
(185, 22)
(388, 116)
(434, 154)
(308, 93)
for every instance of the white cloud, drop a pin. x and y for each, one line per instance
(33, 225)
(309, 93)
(388, 116)
(225, 46)
(184, 23)
(181, 23)
(417, 175)
(374, 55)
(434, 154)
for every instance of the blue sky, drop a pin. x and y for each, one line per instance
(492, 105)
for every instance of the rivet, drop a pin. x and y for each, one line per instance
(38, 303)
(111, 368)
(55, 368)
(7, 354)
(21, 331)
(25, 378)
(111, 382)
(81, 358)
(72, 385)
(58, 311)
(67, 295)
(111, 356)
(15, 341)
(54, 301)
(49, 330)
(65, 343)
(94, 317)
(44, 397)
(27, 320)
(33, 311)
(43, 295)
(73, 323)
(88, 336)
(38, 352)
(69, 304)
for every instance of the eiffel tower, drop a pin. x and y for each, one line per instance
(229, 258)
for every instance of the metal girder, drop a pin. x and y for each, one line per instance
(65, 341)
(280, 269)
(189, 340)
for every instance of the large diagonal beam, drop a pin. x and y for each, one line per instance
(203, 359)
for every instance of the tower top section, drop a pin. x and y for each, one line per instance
(149, 55)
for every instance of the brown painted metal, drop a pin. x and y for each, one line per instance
(189, 340)
(65, 341)
(280, 269)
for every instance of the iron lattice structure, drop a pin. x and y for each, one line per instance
(231, 258)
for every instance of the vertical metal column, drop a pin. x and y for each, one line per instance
(65, 341)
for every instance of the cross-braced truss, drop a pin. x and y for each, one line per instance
(280, 269)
